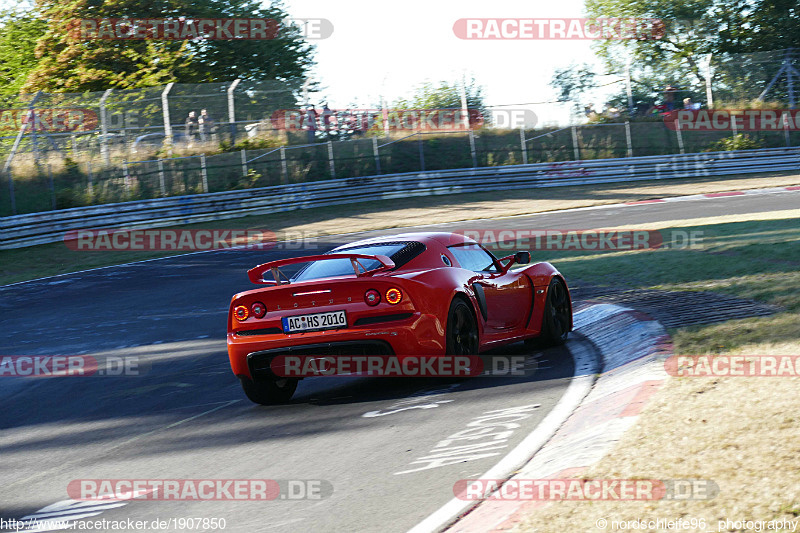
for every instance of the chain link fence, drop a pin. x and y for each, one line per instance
(771, 77)
(71, 150)
(105, 128)
(76, 184)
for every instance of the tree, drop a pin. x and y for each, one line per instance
(757, 25)
(66, 63)
(687, 32)
(694, 30)
(18, 35)
(572, 84)
(444, 95)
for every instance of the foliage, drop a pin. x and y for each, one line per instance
(694, 30)
(444, 95)
(18, 36)
(740, 141)
(573, 82)
(64, 63)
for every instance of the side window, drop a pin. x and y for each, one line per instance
(475, 258)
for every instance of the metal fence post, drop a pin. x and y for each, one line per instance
(786, 129)
(203, 172)
(231, 110)
(35, 138)
(18, 139)
(575, 146)
(104, 129)
(244, 162)
(330, 159)
(524, 145)
(126, 176)
(421, 153)
(52, 185)
(90, 177)
(284, 166)
(165, 112)
(680, 136)
(376, 152)
(161, 177)
(628, 138)
(11, 191)
(472, 149)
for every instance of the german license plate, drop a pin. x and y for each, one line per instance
(315, 322)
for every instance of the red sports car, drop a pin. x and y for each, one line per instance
(439, 294)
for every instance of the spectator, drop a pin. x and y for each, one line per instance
(206, 125)
(326, 117)
(688, 104)
(611, 112)
(669, 97)
(311, 124)
(192, 126)
(644, 109)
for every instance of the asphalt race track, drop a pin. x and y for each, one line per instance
(384, 447)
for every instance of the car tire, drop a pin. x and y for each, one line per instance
(557, 314)
(461, 329)
(269, 392)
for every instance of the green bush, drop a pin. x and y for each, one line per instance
(740, 141)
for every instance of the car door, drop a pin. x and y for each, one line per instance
(506, 297)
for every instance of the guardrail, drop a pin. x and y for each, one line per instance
(46, 227)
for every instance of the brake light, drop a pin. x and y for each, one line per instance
(393, 296)
(372, 297)
(258, 309)
(241, 312)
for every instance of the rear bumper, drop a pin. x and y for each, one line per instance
(260, 363)
(420, 334)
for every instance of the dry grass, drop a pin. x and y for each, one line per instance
(742, 433)
(51, 259)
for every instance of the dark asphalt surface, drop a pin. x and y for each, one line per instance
(186, 416)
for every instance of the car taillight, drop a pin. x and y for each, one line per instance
(241, 312)
(393, 296)
(372, 297)
(258, 309)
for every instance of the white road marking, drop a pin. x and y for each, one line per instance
(174, 424)
(586, 367)
(413, 401)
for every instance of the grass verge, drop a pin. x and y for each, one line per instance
(51, 259)
(742, 433)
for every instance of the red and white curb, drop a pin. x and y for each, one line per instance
(632, 347)
(770, 190)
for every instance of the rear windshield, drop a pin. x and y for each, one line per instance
(342, 267)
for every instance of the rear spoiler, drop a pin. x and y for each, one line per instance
(256, 274)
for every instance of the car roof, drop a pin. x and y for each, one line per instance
(443, 238)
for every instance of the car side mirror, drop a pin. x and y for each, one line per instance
(522, 258)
